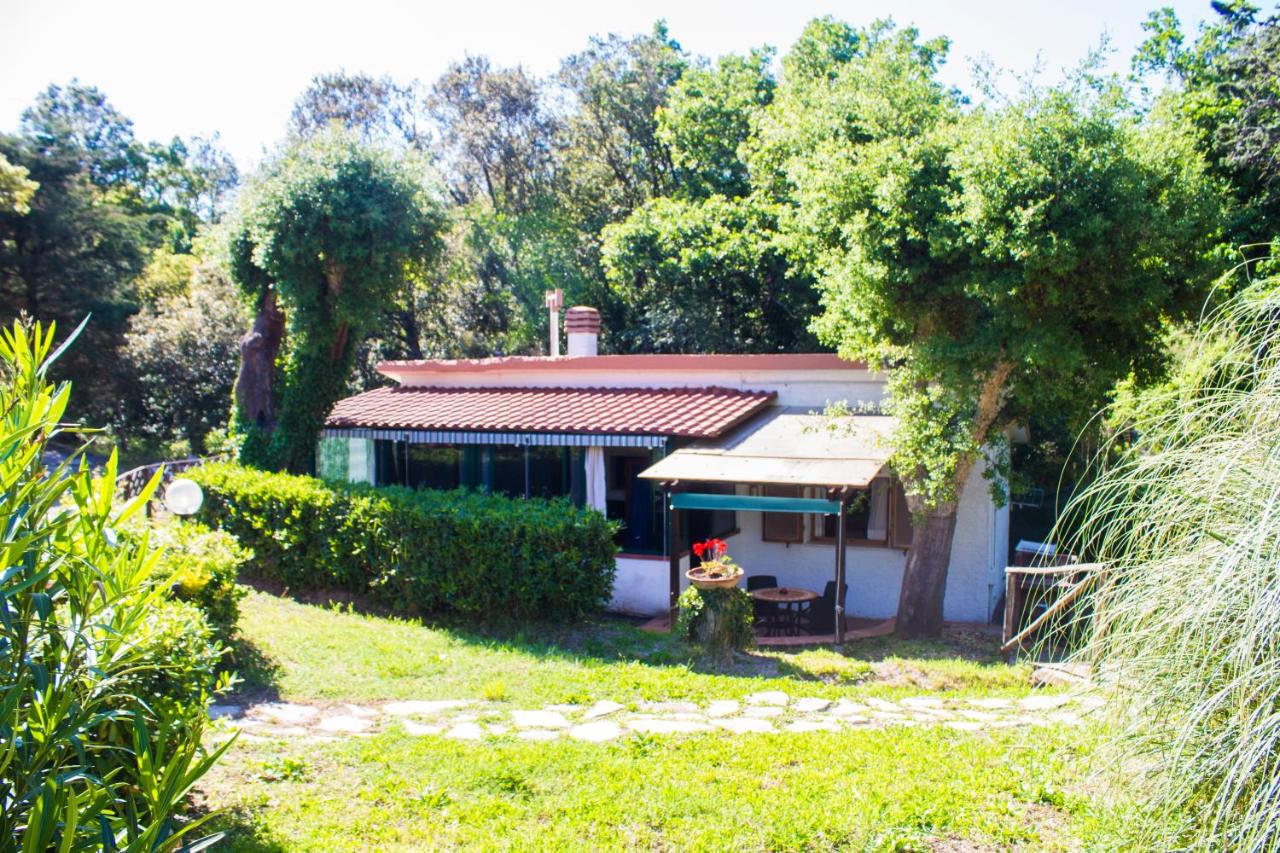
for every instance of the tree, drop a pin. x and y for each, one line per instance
(498, 138)
(1229, 92)
(15, 190)
(703, 269)
(180, 353)
(327, 234)
(994, 263)
(378, 109)
(612, 149)
(74, 253)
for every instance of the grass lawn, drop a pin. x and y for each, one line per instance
(894, 788)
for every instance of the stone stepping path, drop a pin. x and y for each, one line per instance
(760, 713)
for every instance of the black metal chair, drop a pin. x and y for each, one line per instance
(768, 614)
(822, 613)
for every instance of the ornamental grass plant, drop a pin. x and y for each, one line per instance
(1184, 626)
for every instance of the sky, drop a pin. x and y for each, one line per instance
(235, 67)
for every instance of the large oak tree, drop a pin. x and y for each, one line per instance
(995, 262)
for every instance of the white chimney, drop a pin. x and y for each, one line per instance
(555, 301)
(582, 326)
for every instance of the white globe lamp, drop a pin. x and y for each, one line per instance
(183, 497)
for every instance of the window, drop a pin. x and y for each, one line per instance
(867, 520)
(635, 502)
(900, 532)
(434, 466)
(548, 472)
(506, 471)
(782, 526)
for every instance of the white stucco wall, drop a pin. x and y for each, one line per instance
(874, 574)
(641, 586)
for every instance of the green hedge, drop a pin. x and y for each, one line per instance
(419, 551)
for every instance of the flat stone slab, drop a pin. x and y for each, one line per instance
(922, 702)
(603, 708)
(743, 725)
(723, 708)
(344, 723)
(992, 704)
(357, 711)
(539, 720)
(285, 712)
(465, 731)
(884, 705)
(811, 705)
(845, 708)
(600, 730)
(671, 707)
(497, 729)
(763, 711)
(225, 712)
(812, 726)
(421, 728)
(539, 734)
(1043, 703)
(653, 726)
(419, 706)
(769, 697)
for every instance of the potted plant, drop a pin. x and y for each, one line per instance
(717, 569)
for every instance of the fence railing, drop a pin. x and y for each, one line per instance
(130, 484)
(1065, 584)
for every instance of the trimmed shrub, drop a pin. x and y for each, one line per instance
(419, 551)
(205, 564)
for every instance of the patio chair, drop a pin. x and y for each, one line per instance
(768, 615)
(821, 615)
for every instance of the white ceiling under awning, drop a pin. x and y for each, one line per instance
(787, 447)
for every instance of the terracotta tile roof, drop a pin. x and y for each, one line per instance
(684, 412)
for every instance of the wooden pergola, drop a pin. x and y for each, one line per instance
(837, 455)
(838, 505)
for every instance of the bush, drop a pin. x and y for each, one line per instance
(719, 620)
(103, 682)
(178, 660)
(205, 565)
(418, 551)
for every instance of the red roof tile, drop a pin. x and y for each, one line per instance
(684, 412)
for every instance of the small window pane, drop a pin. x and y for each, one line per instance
(782, 526)
(902, 533)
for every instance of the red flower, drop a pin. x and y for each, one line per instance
(699, 549)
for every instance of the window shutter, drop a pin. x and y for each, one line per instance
(782, 526)
(900, 534)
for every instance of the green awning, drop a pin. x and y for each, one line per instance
(698, 500)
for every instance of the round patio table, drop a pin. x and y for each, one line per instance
(792, 603)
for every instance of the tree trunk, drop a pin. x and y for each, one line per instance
(254, 392)
(924, 578)
(924, 581)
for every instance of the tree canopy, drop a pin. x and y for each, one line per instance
(995, 262)
(324, 239)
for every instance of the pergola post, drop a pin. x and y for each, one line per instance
(842, 537)
(674, 538)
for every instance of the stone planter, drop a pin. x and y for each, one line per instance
(702, 579)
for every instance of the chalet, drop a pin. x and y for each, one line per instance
(677, 449)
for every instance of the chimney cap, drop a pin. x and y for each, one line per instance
(581, 319)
